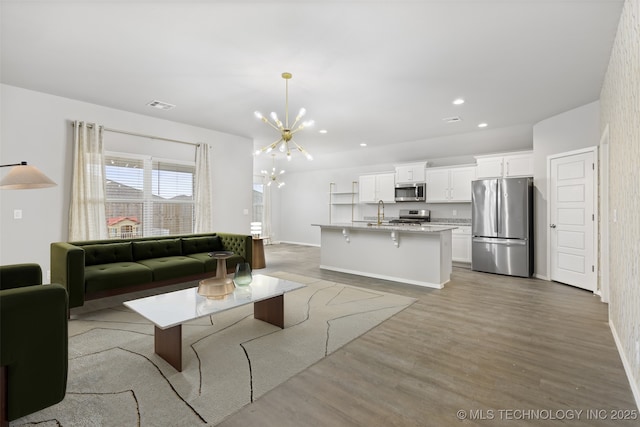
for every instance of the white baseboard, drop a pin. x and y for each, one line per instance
(541, 277)
(300, 243)
(627, 366)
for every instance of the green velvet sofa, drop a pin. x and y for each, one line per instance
(98, 268)
(33, 342)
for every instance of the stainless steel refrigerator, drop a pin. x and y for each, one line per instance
(502, 226)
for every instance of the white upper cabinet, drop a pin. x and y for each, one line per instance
(460, 183)
(373, 188)
(489, 167)
(387, 187)
(449, 184)
(437, 185)
(505, 165)
(410, 173)
(518, 165)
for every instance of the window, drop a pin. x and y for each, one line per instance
(148, 196)
(258, 202)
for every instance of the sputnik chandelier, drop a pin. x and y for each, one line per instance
(273, 177)
(286, 131)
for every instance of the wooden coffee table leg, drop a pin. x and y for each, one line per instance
(270, 310)
(168, 345)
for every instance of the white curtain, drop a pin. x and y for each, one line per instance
(87, 216)
(203, 198)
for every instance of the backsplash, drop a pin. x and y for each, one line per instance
(456, 212)
(462, 221)
(465, 221)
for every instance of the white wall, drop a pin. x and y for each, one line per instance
(620, 108)
(36, 128)
(305, 201)
(571, 130)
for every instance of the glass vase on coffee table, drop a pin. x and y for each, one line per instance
(243, 274)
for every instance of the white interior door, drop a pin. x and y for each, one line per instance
(572, 219)
(604, 215)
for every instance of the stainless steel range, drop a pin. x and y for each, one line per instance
(412, 217)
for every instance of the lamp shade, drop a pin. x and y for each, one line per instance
(23, 176)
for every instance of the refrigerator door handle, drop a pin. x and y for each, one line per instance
(508, 242)
(498, 207)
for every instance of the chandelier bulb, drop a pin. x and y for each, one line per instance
(308, 123)
(274, 116)
(258, 114)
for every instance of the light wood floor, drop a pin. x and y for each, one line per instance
(506, 351)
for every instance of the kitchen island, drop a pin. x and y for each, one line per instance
(419, 255)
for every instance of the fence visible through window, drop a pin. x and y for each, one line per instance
(148, 197)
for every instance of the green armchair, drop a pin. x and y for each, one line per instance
(33, 342)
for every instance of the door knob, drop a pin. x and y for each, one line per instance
(552, 226)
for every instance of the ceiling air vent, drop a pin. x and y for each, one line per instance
(161, 105)
(453, 119)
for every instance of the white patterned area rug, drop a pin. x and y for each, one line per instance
(229, 359)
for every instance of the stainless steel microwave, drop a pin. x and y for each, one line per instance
(415, 192)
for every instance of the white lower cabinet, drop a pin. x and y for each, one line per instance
(461, 244)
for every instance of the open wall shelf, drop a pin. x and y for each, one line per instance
(339, 200)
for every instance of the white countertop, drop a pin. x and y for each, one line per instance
(372, 226)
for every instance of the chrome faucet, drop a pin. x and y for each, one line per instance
(380, 203)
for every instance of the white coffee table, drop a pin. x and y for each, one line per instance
(169, 311)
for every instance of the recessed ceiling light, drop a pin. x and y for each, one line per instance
(458, 101)
(161, 105)
(363, 144)
(322, 131)
(483, 125)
